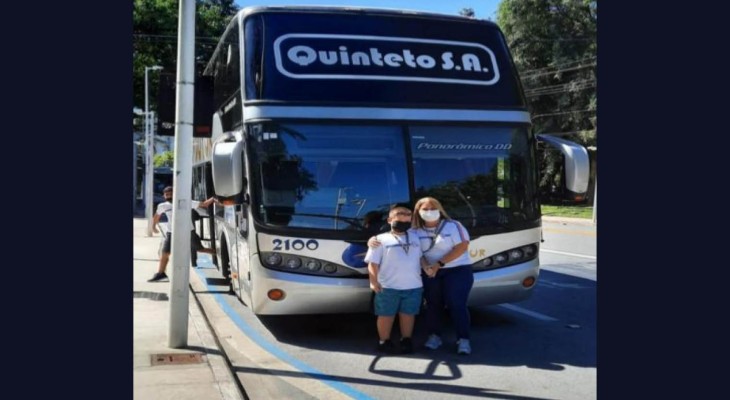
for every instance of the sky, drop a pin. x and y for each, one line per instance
(483, 8)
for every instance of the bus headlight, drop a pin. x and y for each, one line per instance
(530, 250)
(273, 259)
(299, 264)
(293, 263)
(313, 265)
(507, 258)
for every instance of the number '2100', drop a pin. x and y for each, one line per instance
(297, 244)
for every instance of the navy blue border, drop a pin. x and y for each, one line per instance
(662, 176)
(69, 69)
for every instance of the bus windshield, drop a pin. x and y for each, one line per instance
(484, 176)
(329, 176)
(346, 177)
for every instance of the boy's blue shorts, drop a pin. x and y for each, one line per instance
(392, 301)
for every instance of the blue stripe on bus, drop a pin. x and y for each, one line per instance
(272, 348)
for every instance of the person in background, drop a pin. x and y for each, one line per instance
(165, 209)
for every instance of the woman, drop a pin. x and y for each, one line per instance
(449, 277)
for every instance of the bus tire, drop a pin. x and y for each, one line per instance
(225, 266)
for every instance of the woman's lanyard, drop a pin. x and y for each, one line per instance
(407, 244)
(435, 235)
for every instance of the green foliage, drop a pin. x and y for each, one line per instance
(553, 43)
(164, 159)
(583, 211)
(155, 33)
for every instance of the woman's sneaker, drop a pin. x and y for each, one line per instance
(433, 342)
(463, 346)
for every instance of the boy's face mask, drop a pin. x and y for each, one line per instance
(400, 226)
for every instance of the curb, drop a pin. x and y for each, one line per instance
(579, 221)
(228, 383)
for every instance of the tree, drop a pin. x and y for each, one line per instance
(164, 159)
(155, 31)
(553, 43)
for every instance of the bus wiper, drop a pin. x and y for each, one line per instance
(352, 221)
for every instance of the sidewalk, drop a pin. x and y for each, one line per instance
(198, 371)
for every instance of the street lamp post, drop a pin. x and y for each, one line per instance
(149, 152)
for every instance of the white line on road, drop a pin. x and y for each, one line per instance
(528, 312)
(569, 254)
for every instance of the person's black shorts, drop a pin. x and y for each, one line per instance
(195, 242)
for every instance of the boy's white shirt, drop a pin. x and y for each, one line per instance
(396, 268)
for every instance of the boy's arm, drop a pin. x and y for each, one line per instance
(373, 274)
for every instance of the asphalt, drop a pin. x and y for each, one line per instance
(197, 371)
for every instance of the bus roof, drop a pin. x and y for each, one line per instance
(246, 11)
(356, 10)
(320, 56)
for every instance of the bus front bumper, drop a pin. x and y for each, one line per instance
(309, 294)
(503, 285)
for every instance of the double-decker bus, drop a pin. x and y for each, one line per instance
(326, 117)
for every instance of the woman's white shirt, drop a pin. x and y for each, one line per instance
(436, 246)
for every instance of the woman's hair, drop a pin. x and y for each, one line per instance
(418, 222)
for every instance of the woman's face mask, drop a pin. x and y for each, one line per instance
(430, 215)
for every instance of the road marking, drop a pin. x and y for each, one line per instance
(546, 282)
(528, 312)
(569, 254)
(277, 352)
(570, 232)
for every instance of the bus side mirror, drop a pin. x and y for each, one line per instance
(577, 164)
(229, 183)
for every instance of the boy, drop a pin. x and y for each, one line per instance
(395, 277)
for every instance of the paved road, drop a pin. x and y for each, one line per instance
(542, 348)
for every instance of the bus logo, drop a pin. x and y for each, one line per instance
(327, 56)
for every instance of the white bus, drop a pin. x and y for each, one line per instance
(325, 117)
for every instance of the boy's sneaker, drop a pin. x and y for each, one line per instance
(433, 342)
(406, 346)
(463, 346)
(386, 347)
(159, 277)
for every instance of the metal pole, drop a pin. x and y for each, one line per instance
(149, 168)
(134, 177)
(595, 200)
(149, 152)
(183, 178)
